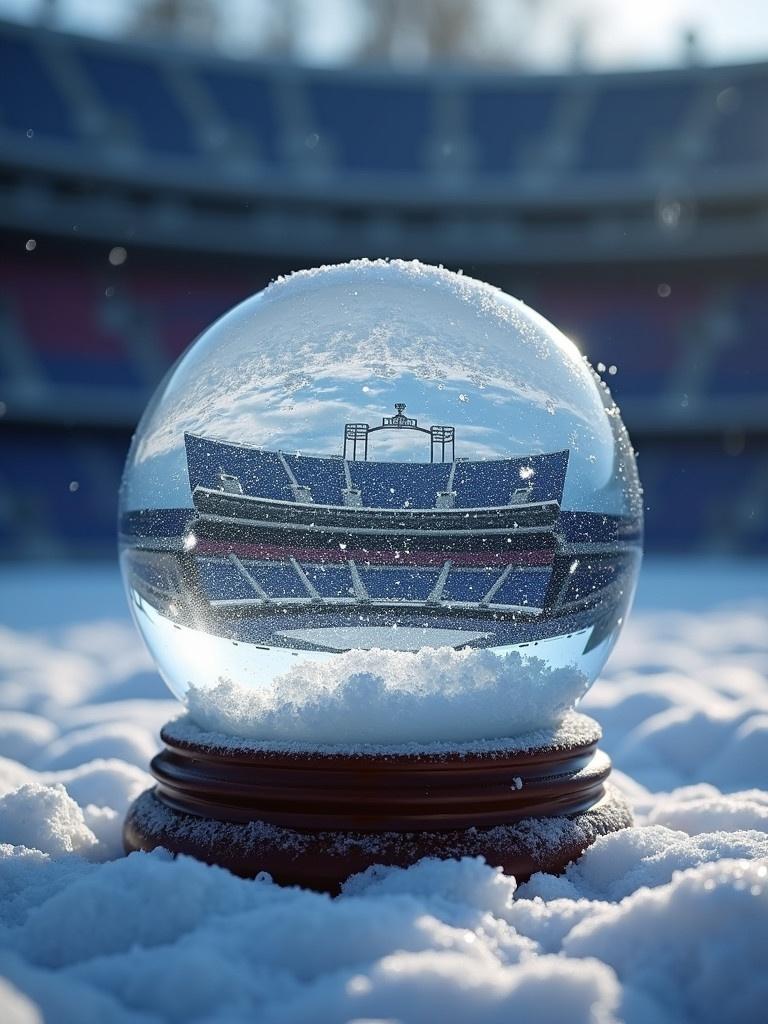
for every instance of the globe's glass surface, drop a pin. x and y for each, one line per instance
(378, 456)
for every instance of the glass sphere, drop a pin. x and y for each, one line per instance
(381, 457)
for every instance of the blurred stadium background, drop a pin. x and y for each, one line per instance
(153, 176)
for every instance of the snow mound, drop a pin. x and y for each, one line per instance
(623, 862)
(696, 946)
(696, 809)
(386, 697)
(106, 740)
(44, 818)
(23, 735)
(449, 940)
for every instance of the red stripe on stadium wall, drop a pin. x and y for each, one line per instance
(363, 557)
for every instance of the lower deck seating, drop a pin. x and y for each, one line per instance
(158, 571)
(221, 581)
(330, 580)
(278, 580)
(469, 584)
(588, 577)
(396, 584)
(523, 587)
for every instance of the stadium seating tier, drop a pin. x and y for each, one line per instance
(73, 327)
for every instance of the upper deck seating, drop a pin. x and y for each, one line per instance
(30, 102)
(740, 134)
(371, 127)
(399, 484)
(245, 100)
(136, 90)
(634, 122)
(506, 121)
(324, 477)
(492, 483)
(260, 472)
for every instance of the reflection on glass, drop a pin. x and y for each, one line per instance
(378, 455)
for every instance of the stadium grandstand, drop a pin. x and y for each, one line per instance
(145, 190)
(450, 551)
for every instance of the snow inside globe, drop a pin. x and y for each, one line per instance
(380, 502)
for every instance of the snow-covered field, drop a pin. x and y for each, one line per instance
(667, 921)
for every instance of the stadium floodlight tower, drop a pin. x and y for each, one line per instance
(380, 652)
(358, 433)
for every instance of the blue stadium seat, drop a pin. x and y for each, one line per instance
(35, 479)
(261, 473)
(491, 483)
(629, 325)
(61, 368)
(400, 484)
(469, 584)
(246, 101)
(373, 128)
(330, 580)
(673, 521)
(697, 497)
(135, 88)
(159, 571)
(399, 584)
(742, 368)
(485, 484)
(588, 577)
(523, 587)
(278, 579)
(29, 100)
(324, 476)
(504, 120)
(221, 581)
(56, 308)
(633, 121)
(740, 135)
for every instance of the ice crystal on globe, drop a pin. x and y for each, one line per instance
(381, 457)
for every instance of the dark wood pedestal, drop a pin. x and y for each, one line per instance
(313, 818)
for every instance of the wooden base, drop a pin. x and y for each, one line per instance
(313, 818)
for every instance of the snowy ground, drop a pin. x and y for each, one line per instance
(665, 922)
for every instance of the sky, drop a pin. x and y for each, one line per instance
(627, 34)
(620, 33)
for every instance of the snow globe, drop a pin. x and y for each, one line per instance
(380, 527)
